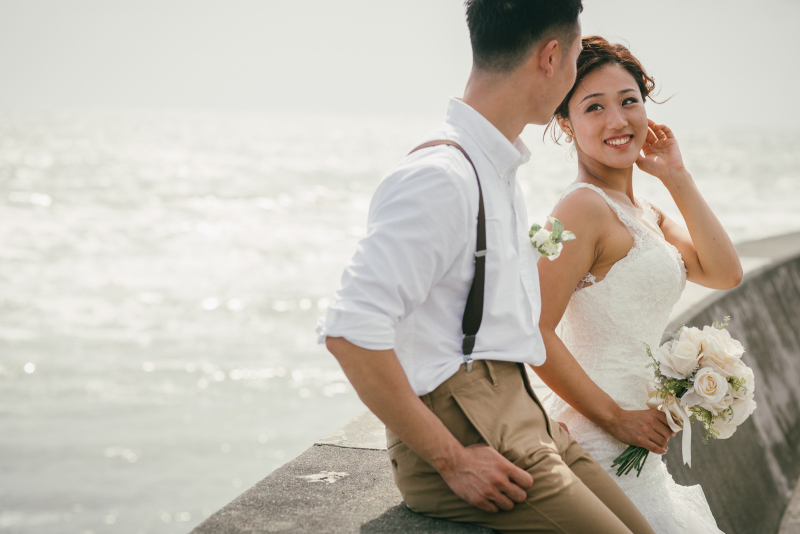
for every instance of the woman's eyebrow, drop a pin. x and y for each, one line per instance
(591, 96)
(601, 94)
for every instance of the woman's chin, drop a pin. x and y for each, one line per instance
(619, 162)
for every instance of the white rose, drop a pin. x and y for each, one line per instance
(709, 390)
(713, 354)
(695, 335)
(731, 347)
(728, 425)
(663, 355)
(725, 430)
(540, 238)
(720, 351)
(741, 371)
(680, 359)
(742, 410)
(726, 401)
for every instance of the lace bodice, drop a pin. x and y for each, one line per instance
(605, 326)
(607, 323)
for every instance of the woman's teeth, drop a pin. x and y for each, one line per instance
(620, 141)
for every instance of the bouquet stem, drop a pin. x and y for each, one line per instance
(632, 458)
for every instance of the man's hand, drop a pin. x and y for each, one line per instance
(485, 479)
(479, 474)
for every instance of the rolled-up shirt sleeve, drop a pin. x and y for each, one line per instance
(418, 225)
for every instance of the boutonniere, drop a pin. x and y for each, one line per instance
(549, 244)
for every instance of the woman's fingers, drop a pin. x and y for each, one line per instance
(651, 136)
(655, 447)
(662, 426)
(667, 131)
(662, 131)
(659, 437)
(664, 432)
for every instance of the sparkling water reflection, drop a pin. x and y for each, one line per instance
(160, 281)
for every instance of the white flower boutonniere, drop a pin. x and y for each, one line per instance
(550, 244)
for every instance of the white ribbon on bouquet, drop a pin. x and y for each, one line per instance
(678, 418)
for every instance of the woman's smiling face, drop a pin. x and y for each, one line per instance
(607, 118)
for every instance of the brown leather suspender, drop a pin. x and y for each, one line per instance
(473, 311)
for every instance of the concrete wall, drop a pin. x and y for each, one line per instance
(343, 483)
(749, 478)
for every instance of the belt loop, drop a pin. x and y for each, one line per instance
(492, 375)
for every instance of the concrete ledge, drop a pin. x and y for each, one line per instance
(364, 432)
(343, 484)
(327, 489)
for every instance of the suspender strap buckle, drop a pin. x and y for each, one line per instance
(467, 345)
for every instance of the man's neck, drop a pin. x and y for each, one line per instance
(497, 98)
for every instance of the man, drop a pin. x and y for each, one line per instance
(467, 438)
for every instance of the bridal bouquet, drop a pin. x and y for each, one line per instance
(699, 375)
(549, 244)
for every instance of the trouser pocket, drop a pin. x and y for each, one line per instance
(506, 415)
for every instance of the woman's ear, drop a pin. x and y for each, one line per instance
(565, 126)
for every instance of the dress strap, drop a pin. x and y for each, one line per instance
(623, 215)
(650, 210)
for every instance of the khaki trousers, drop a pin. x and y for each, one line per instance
(495, 404)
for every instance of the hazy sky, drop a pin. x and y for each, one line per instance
(729, 62)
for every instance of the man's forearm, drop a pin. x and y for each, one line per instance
(381, 383)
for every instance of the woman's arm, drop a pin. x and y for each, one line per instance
(708, 253)
(587, 215)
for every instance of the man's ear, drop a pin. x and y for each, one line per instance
(548, 55)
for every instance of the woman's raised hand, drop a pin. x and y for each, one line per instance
(660, 154)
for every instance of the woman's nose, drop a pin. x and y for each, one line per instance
(616, 119)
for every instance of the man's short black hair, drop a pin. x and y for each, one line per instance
(503, 31)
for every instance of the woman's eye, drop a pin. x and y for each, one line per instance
(593, 107)
(630, 100)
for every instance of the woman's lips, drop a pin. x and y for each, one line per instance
(620, 142)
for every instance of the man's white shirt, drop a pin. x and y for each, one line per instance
(407, 284)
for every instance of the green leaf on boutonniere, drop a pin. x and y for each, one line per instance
(534, 228)
(558, 228)
(566, 235)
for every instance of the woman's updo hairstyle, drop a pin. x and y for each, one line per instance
(597, 53)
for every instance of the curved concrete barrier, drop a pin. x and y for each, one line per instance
(749, 478)
(343, 483)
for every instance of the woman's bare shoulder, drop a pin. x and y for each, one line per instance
(582, 206)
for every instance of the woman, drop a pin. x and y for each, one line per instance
(613, 289)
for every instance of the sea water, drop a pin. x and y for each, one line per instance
(161, 275)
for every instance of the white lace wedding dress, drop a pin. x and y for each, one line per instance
(604, 327)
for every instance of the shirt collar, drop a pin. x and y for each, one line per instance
(503, 154)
